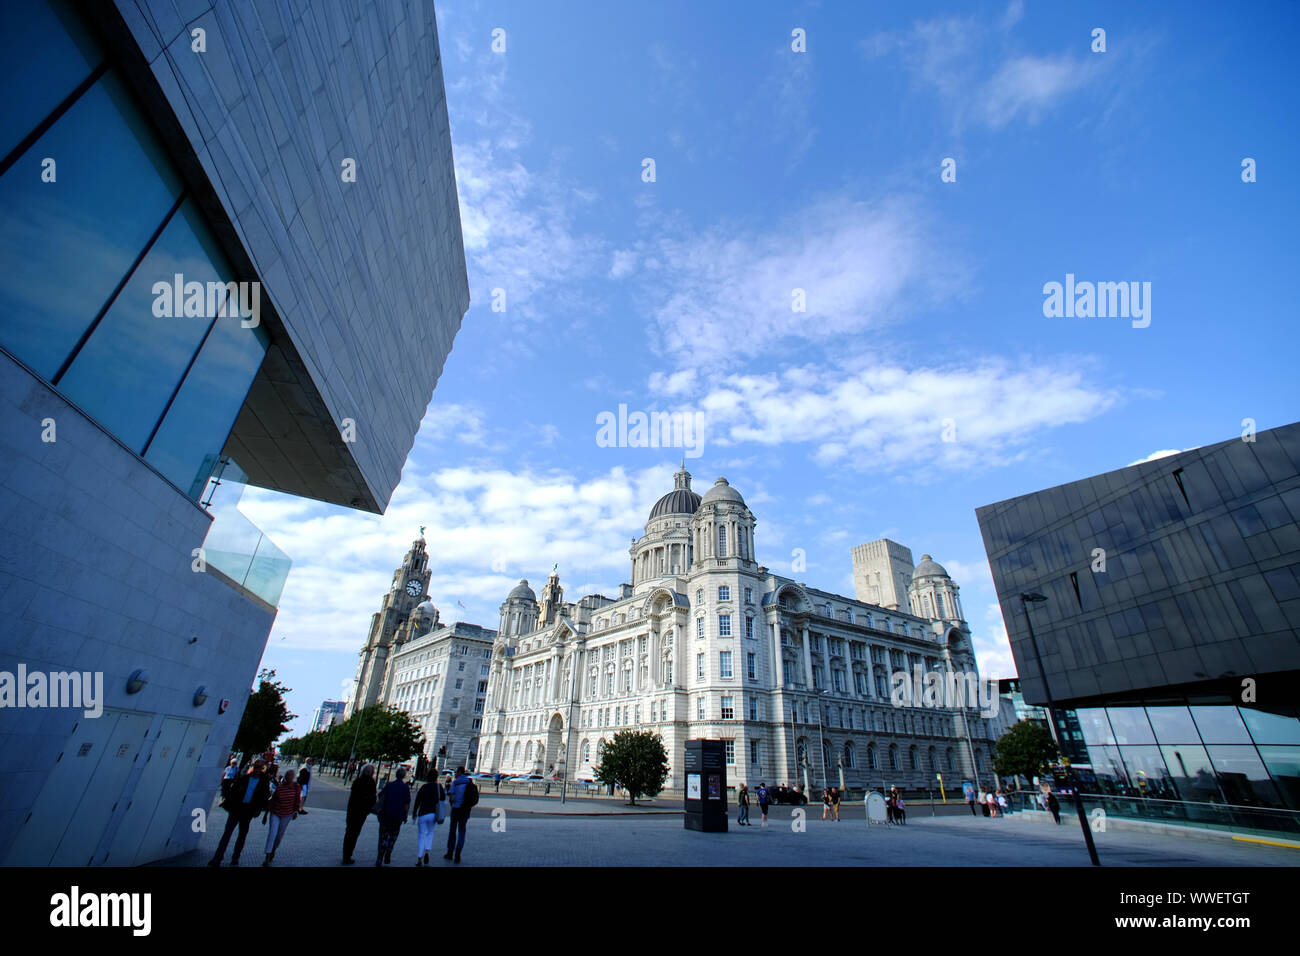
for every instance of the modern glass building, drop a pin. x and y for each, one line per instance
(1170, 633)
(230, 254)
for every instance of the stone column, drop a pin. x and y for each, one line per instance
(778, 661)
(807, 659)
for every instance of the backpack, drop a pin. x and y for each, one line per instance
(470, 799)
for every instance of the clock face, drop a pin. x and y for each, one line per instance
(413, 587)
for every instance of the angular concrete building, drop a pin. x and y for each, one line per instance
(1165, 601)
(231, 255)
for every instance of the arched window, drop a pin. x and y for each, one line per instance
(722, 540)
(893, 756)
(948, 758)
(801, 751)
(517, 746)
(871, 757)
(934, 760)
(828, 758)
(979, 760)
(913, 758)
(850, 755)
(586, 751)
(528, 752)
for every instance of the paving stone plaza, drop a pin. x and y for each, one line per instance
(540, 831)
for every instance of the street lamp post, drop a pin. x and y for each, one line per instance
(1033, 597)
(821, 736)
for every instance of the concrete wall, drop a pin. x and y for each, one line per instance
(95, 575)
(367, 277)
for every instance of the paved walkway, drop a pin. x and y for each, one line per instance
(514, 837)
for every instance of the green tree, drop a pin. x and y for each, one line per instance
(386, 733)
(1026, 749)
(265, 717)
(637, 761)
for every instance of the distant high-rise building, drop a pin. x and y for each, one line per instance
(234, 266)
(329, 712)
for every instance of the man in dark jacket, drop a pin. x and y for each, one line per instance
(459, 814)
(393, 803)
(360, 801)
(304, 781)
(249, 796)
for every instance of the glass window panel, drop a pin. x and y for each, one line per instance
(200, 419)
(1108, 769)
(45, 52)
(1243, 778)
(1095, 726)
(1267, 728)
(1130, 725)
(1173, 725)
(72, 241)
(1147, 774)
(130, 366)
(1192, 773)
(1220, 725)
(1283, 764)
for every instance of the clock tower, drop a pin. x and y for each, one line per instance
(410, 587)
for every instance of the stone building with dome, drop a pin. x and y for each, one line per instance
(705, 642)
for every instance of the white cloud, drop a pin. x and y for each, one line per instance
(889, 417)
(623, 264)
(1029, 85)
(856, 263)
(1162, 453)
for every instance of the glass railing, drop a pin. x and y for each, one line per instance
(1212, 816)
(234, 545)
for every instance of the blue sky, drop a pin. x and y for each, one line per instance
(777, 170)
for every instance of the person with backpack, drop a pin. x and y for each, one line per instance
(764, 798)
(394, 800)
(463, 797)
(429, 810)
(742, 798)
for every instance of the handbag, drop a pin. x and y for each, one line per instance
(443, 809)
(379, 802)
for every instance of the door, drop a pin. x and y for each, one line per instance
(155, 801)
(154, 844)
(81, 792)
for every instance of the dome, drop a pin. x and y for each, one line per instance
(929, 568)
(681, 500)
(721, 491)
(426, 610)
(523, 591)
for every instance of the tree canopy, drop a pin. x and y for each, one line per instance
(637, 761)
(386, 734)
(265, 717)
(1026, 749)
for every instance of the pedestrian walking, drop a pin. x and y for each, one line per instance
(391, 806)
(360, 802)
(970, 802)
(889, 808)
(429, 810)
(1003, 804)
(764, 798)
(284, 806)
(249, 796)
(496, 779)
(835, 803)
(463, 796)
(992, 801)
(228, 777)
(304, 780)
(900, 810)
(1054, 805)
(826, 803)
(742, 798)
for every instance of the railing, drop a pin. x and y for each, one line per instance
(1213, 816)
(234, 545)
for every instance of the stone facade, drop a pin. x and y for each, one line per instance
(706, 643)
